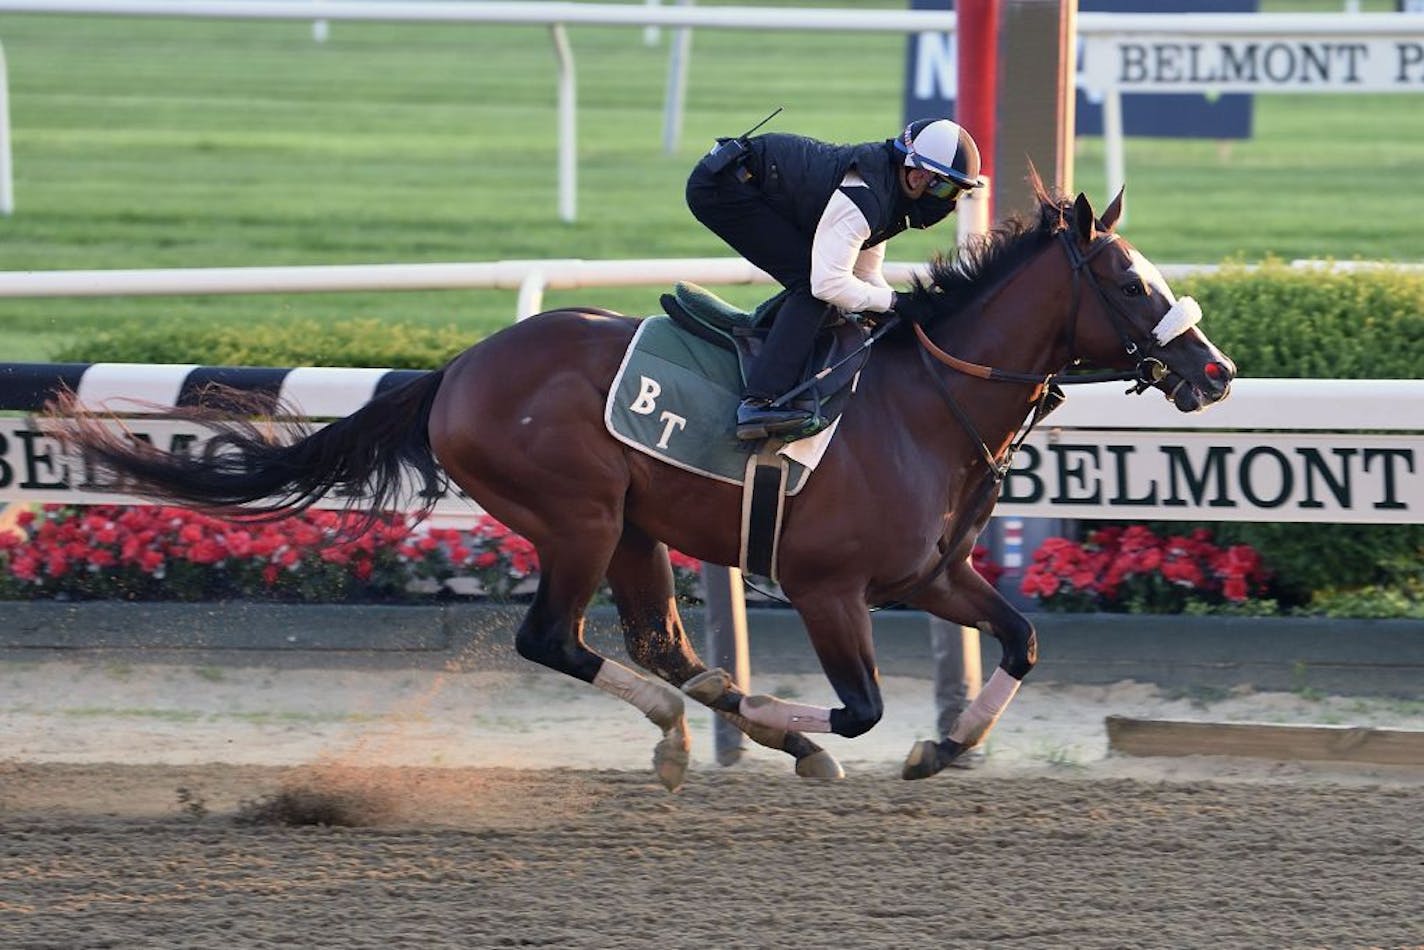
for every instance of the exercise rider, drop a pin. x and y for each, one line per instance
(816, 217)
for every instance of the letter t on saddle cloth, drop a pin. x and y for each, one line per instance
(828, 379)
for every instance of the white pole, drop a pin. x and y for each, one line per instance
(679, 56)
(321, 29)
(531, 295)
(568, 125)
(727, 647)
(1113, 144)
(754, 18)
(973, 211)
(651, 32)
(7, 180)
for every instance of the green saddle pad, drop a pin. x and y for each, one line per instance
(675, 398)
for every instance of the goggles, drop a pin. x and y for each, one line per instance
(941, 187)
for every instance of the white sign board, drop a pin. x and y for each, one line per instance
(1074, 473)
(36, 468)
(1184, 63)
(1218, 476)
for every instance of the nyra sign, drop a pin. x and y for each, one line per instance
(1205, 476)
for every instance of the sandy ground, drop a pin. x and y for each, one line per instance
(518, 809)
(113, 710)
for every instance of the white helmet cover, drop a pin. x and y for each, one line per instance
(943, 147)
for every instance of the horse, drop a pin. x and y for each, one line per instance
(889, 516)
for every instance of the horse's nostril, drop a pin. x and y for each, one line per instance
(1215, 371)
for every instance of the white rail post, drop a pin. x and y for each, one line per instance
(651, 33)
(321, 29)
(679, 56)
(973, 211)
(531, 295)
(7, 178)
(1113, 149)
(726, 647)
(568, 125)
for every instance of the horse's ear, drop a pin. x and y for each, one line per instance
(1036, 183)
(1114, 210)
(1083, 218)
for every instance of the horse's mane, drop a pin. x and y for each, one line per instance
(982, 261)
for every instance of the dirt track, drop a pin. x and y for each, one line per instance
(120, 784)
(108, 856)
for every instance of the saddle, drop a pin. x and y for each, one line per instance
(675, 397)
(826, 380)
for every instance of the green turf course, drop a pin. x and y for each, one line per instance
(169, 143)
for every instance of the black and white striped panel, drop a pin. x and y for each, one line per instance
(315, 392)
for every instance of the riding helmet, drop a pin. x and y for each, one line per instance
(942, 147)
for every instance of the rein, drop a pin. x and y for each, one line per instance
(1139, 375)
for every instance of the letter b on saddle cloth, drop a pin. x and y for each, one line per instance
(675, 398)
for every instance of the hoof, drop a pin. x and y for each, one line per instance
(819, 764)
(923, 760)
(671, 755)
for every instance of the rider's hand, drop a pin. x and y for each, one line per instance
(918, 308)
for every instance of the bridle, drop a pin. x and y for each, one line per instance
(1148, 372)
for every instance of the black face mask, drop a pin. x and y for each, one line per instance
(927, 211)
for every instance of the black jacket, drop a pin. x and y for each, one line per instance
(798, 175)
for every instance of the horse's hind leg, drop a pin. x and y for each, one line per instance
(640, 577)
(552, 634)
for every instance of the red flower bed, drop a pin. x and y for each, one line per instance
(157, 553)
(113, 552)
(987, 569)
(1131, 569)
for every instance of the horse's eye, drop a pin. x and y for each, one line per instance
(1134, 288)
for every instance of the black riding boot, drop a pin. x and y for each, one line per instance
(778, 368)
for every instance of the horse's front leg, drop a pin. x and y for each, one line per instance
(641, 579)
(962, 596)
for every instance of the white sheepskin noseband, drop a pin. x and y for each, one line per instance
(1185, 314)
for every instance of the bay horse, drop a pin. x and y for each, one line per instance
(890, 514)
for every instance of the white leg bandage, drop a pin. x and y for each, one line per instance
(976, 721)
(788, 717)
(658, 703)
(709, 686)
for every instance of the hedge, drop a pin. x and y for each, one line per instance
(295, 343)
(1283, 322)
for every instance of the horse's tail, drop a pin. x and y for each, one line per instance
(244, 471)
